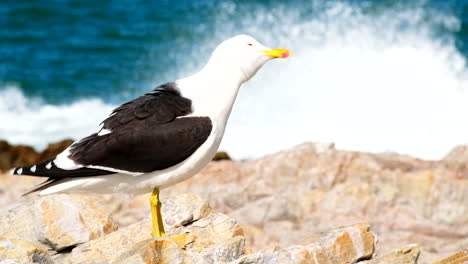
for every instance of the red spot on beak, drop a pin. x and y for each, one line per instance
(285, 55)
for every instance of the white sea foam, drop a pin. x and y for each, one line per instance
(31, 121)
(381, 81)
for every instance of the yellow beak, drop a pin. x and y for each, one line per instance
(278, 53)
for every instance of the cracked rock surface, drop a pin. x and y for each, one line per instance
(308, 204)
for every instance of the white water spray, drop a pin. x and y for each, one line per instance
(386, 81)
(381, 82)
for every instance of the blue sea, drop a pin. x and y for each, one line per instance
(368, 75)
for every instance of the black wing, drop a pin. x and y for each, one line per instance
(145, 135)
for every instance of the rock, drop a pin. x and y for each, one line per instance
(22, 252)
(458, 154)
(207, 238)
(221, 156)
(183, 209)
(405, 255)
(57, 221)
(343, 245)
(153, 251)
(288, 255)
(53, 149)
(460, 257)
(457, 160)
(222, 252)
(283, 198)
(110, 247)
(214, 239)
(17, 156)
(314, 187)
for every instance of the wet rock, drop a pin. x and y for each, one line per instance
(57, 221)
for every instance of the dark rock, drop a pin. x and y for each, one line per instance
(54, 149)
(221, 156)
(17, 156)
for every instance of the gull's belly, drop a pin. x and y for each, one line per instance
(184, 170)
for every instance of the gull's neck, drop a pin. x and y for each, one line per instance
(213, 91)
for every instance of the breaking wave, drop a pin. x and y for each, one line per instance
(385, 81)
(389, 79)
(30, 121)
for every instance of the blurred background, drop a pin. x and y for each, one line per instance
(367, 75)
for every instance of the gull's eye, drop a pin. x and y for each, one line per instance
(250, 44)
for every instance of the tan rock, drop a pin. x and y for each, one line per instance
(57, 221)
(288, 255)
(110, 247)
(152, 251)
(256, 258)
(340, 246)
(182, 209)
(215, 238)
(458, 154)
(314, 187)
(405, 255)
(209, 231)
(285, 197)
(22, 252)
(460, 257)
(256, 236)
(343, 245)
(222, 252)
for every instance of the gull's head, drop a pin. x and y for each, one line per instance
(243, 56)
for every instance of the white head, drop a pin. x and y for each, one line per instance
(242, 56)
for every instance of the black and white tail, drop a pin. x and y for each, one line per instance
(55, 174)
(50, 169)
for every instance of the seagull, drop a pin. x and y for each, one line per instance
(161, 138)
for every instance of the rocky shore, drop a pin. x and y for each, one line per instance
(12, 156)
(308, 204)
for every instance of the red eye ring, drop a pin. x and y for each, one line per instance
(250, 44)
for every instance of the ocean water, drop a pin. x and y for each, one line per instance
(367, 75)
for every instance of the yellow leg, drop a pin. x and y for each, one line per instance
(158, 227)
